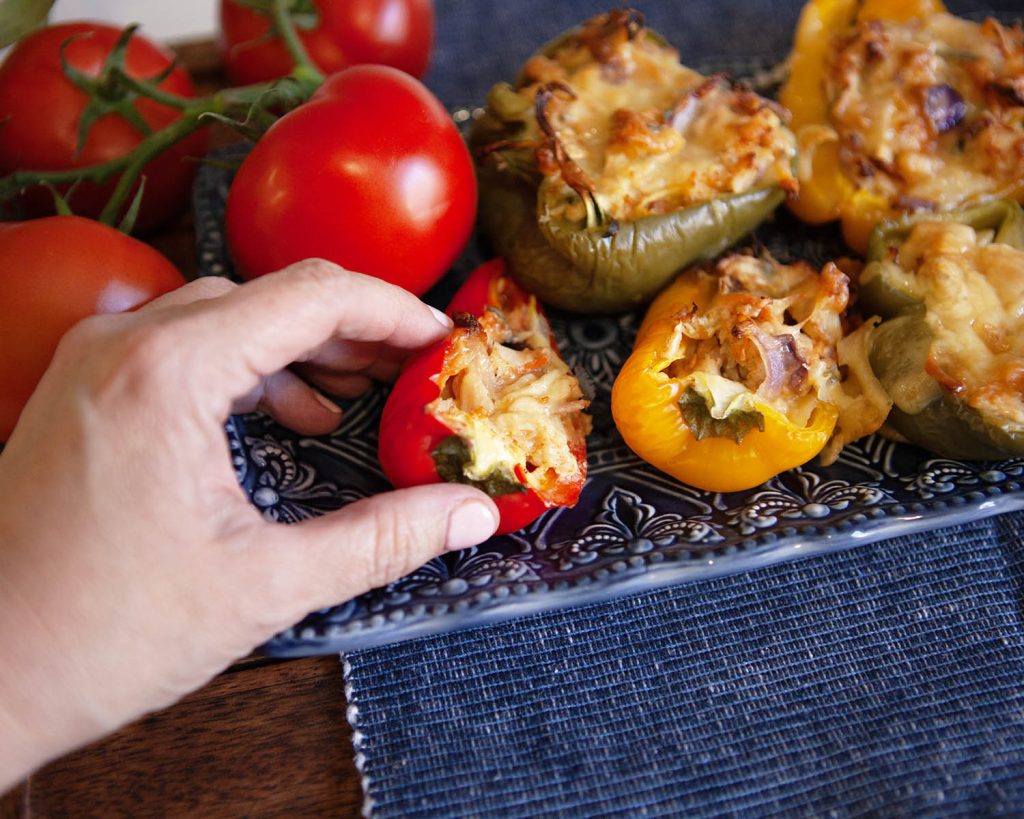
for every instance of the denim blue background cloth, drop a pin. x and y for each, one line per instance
(888, 680)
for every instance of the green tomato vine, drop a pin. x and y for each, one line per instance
(249, 109)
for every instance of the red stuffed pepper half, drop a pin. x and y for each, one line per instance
(493, 406)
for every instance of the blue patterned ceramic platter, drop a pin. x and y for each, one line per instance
(634, 529)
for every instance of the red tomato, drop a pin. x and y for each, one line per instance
(53, 273)
(40, 110)
(371, 173)
(399, 33)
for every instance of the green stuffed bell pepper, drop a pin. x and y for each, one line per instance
(609, 166)
(950, 351)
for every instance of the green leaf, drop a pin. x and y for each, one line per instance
(19, 17)
(703, 424)
(128, 222)
(60, 201)
(156, 79)
(451, 457)
(240, 127)
(115, 60)
(131, 113)
(92, 112)
(112, 91)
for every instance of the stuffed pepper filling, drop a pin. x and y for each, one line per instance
(929, 113)
(771, 336)
(624, 131)
(608, 167)
(972, 292)
(514, 407)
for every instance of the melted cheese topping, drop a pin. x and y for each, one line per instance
(650, 135)
(508, 394)
(930, 113)
(973, 291)
(774, 334)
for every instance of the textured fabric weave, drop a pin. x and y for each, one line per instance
(883, 681)
(482, 42)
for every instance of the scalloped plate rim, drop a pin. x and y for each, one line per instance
(649, 578)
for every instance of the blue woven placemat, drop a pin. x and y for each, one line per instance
(882, 681)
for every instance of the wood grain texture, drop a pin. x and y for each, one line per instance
(265, 741)
(13, 804)
(202, 59)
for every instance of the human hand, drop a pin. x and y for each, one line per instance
(132, 566)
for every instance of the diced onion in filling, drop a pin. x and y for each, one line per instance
(769, 336)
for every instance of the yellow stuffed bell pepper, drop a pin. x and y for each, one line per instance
(900, 107)
(735, 375)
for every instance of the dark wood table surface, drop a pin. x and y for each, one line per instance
(265, 738)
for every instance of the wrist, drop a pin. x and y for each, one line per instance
(22, 725)
(20, 754)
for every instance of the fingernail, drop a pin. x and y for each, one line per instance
(442, 318)
(470, 523)
(326, 402)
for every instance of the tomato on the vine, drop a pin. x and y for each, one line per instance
(398, 33)
(40, 110)
(371, 173)
(54, 272)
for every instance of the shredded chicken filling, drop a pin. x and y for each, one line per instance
(508, 394)
(769, 336)
(930, 113)
(644, 134)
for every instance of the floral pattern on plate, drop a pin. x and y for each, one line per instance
(634, 529)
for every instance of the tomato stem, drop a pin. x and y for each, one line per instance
(233, 102)
(280, 13)
(114, 91)
(148, 149)
(147, 88)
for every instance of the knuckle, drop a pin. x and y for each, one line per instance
(337, 283)
(147, 347)
(208, 287)
(86, 332)
(84, 338)
(319, 273)
(140, 364)
(393, 547)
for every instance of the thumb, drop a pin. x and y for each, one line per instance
(369, 543)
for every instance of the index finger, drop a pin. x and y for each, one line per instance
(265, 325)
